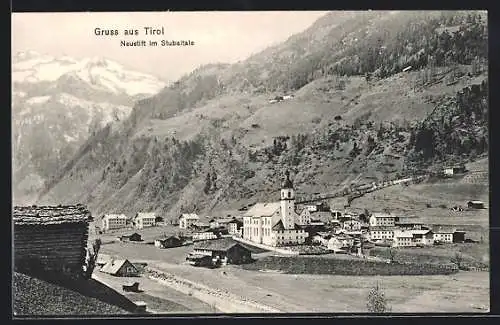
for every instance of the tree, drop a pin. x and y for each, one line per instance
(208, 184)
(91, 259)
(392, 254)
(376, 301)
(457, 259)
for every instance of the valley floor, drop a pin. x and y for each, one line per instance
(462, 292)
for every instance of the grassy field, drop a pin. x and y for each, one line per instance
(158, 298)
(326, 293)
(472, 253)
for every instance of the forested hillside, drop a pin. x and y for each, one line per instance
(212, 141)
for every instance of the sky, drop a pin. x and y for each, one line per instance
(218, 36)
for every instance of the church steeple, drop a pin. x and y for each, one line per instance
(287, 202)
(287, 183)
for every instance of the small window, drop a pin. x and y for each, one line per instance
(289, 194)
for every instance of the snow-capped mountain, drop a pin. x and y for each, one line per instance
(57, 102)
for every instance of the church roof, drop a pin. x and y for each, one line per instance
(263, 209)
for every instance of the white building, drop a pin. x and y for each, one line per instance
(403, 238)
(381, 233)
(443, 236)
(275, 224)
(304, 218)
(144, 219)
(187, 219)
(311, 207)
(114, 221)
(382, 220)
(351, 225)
(235, 227)
(205, 235)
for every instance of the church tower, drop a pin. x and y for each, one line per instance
(287, 202)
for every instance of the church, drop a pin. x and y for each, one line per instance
(275, 223)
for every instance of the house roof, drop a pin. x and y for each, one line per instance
(263, 209)
(168, 237)
(141, 215)
(279, 226)
(420, 232)
(382, 215)
(114, 216)
(200, 224)
(476, 202)
(217, 245)
(321, 215)
(189, 216)
(443, 229)
(35, 297)
(50, 215)
(381, 228)
(113, 266)
(402, 234)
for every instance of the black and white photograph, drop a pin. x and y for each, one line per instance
(250, 162)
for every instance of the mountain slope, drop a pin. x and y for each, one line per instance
(213, 141)
(58, 103)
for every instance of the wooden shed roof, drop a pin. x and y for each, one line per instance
(50, 215)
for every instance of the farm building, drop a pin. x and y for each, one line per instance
(443, 234)
(187, 219)
(144, 219)
(453, 170)
(168, 242)
(475, 205)
(114, 221)
(51, 238)
(227, 250)
(132, 237)
(120, 268)
(459, 236)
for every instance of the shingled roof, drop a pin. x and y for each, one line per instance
(217, 245)
(50, 215)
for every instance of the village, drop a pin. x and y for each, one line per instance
(135, 252)
(287, 228)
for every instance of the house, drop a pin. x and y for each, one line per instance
(403, 238)
(422, 236)
(321, 238)
(351, 225)
(336, 214)
(199, 226)
(382, 220)
(408, 68)
(337, 243)
(475, 205)
(304, 217)
(226, 250)
(443, 234)
(187, 219)
(169, 242)
(235, 227)
(213, 223)
(113, 221)
(204, 235)
(144, 219)
(453, 170)
(381, 233)
(132, 237)
(311, 207)
(275, 223)
(50, 239)
(120, 268)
